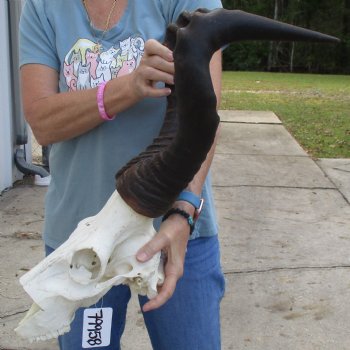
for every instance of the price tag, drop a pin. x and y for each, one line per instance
(97, 327)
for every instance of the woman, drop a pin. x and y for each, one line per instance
(93, 75)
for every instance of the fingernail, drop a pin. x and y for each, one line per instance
(141, 256)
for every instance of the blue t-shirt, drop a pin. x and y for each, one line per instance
(58, 34)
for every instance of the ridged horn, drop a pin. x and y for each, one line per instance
(151, 182)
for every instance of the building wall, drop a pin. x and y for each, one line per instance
(6, 135)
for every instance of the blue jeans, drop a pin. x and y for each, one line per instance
(190, 320)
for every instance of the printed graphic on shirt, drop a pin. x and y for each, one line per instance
(86, 66)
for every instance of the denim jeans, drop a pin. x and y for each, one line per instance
(190, 320)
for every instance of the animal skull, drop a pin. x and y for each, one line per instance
(99, 254)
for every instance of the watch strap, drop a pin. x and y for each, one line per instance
(190, 198)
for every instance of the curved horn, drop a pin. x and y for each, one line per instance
(151, 182)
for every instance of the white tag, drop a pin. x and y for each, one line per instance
(97, 327)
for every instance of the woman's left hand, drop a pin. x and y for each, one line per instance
(172, 239)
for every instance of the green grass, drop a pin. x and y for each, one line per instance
(314, 108)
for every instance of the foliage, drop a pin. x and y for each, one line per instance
(331, 17)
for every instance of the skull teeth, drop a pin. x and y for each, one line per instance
(51, 335)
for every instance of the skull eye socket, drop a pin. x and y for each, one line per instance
(85, 266)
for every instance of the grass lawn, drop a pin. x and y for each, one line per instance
(314, 108)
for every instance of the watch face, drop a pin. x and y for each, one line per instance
(198, 210)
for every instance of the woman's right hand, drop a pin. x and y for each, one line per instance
(157, 65)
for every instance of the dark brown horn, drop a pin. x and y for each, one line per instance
(151, 182)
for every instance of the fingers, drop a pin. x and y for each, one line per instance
(154, 47)
(157, 92)
(160, 58)
(172, 238)
(155, 245)
(156, 73)
(160, 64)
(173, 268)
(156, 66)
(165, 293)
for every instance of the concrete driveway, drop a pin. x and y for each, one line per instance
(285, 239)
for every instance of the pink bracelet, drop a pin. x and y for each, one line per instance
(100, 102)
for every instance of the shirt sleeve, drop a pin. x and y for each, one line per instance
(36, 36)
(173, 8)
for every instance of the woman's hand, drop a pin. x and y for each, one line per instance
(172, 239)
(157, 65)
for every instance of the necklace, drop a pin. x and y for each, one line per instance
(98, 46)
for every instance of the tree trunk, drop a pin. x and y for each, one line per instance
(292, 58)
(271, 61)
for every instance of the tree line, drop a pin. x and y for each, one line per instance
(328, 16)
